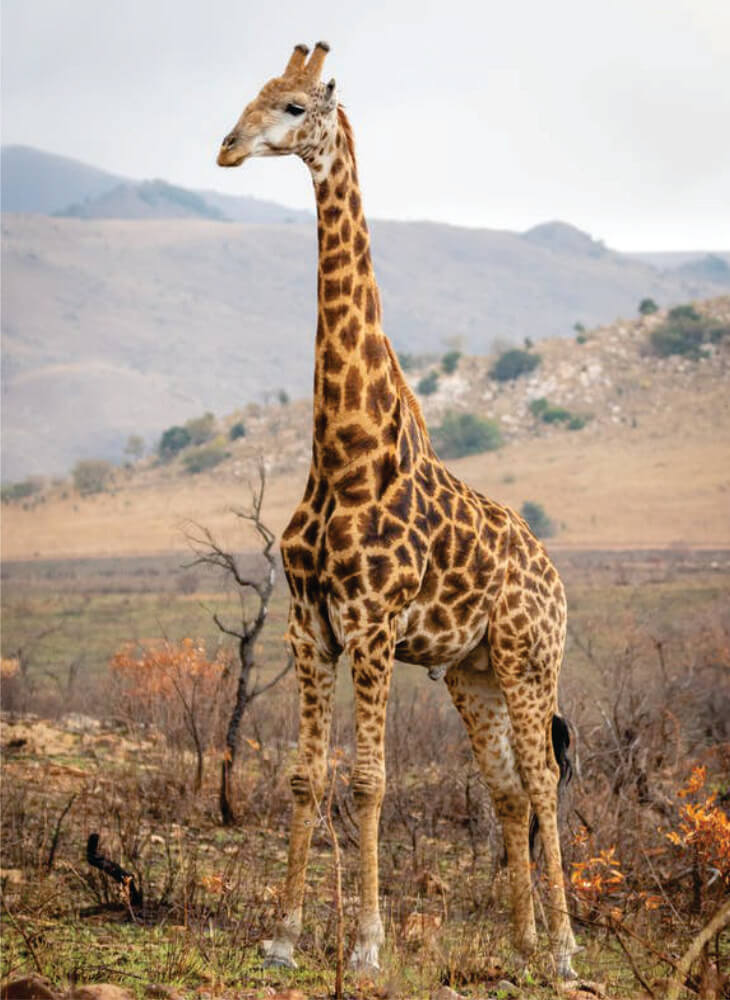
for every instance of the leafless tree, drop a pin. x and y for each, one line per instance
(210, 553)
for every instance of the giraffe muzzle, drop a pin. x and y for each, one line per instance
(233, 151)
(230, 157)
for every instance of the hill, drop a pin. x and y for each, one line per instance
(35, 181)
(645, 467)
(113, 327)
(47, 184)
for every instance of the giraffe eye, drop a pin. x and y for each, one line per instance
(294, 109)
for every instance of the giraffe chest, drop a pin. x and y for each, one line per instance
(431, 579)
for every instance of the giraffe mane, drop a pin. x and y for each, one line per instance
(405, 390)
(349, 137)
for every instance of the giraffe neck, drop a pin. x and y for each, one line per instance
(357, 379)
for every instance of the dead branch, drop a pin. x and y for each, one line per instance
(57, 832)
(631, 961)
(339, 910)
(209, 552)
(717, 924)
(19, 928)
(113, 870)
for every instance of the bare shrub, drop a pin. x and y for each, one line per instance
(177, 689)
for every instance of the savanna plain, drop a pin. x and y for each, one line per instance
(117, 690)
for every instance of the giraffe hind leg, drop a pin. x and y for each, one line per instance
(529, 684)
(482, 706)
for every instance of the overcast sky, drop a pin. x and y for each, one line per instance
(613, 115)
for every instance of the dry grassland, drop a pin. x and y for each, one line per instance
(625, 489)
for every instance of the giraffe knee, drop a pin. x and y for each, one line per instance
(368, 784)
(307, 784)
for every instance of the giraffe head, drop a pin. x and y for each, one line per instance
(293, 113)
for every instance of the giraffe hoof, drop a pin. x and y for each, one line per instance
(277, 956)
(565, 969)
(365, 959)
(279, 962)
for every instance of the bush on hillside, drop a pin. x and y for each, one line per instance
(20, 491)
(540, 523)
(237, 431)
(543, 410)
(201, 429)
(514, 363)
(172, 441)
(205, 456)
(134, 447)
(466, 434)
(555, 415)
(686, 311)
(672, 339)
(449, 362)
(684, 332)
(92, 475)
(647, 307)
(428, 384)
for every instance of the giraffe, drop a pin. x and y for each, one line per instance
(390, 556)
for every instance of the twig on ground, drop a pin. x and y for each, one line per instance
(339, 910)
(632, 963)
(57, 832)
(19, 929)
(718, 923)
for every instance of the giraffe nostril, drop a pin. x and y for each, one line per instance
(230, 140)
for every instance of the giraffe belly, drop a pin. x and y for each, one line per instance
(430, 637)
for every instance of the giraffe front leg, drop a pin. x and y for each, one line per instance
(316, 677)
(372, 663)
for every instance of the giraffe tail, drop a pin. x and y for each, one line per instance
(560, 734)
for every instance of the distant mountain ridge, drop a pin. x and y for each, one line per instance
(114, 326)
(36, 181)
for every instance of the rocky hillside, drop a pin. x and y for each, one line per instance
(114, 327)
(600, 381)
(635, 455)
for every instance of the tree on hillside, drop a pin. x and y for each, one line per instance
(449, 361)
(210, 552)
(514, 363)
(465, 434)
(428, 384)
(647, 307)
(201, 429)
(92, 475)
(134, 447)
(173, 440)
(540, 523)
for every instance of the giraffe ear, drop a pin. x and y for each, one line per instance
(330, 88)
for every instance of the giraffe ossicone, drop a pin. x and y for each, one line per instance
(390, 556)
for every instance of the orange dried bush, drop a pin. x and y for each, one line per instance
(175, 688)
(597, 877)
(704, 827)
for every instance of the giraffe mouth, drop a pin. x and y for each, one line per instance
(226, 159)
